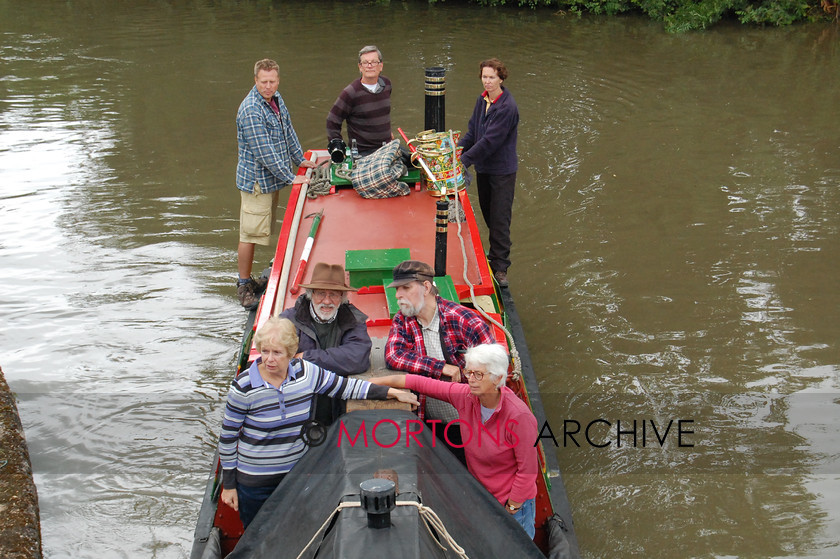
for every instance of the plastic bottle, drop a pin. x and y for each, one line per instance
(348, 160)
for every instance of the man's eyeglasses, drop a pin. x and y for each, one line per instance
(370, 62)
(320, 295)
(477, 374)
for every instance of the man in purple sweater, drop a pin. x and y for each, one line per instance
(366, 106)
(490, 145)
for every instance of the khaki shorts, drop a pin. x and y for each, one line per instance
(258, 216)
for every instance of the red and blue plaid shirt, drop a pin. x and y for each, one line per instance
(461, 328)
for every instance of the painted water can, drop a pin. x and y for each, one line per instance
(435, 148)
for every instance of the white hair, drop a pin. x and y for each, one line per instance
(493, 357)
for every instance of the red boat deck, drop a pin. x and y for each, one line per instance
(365, 224)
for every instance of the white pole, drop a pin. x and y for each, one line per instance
(280, 294)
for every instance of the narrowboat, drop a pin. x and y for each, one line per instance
(331, 504)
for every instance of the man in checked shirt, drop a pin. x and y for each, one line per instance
(269, 155)
(429, 336)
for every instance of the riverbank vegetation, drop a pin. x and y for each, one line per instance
(685, 15)
(20, 531)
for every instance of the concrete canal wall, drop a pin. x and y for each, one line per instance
(20, 527)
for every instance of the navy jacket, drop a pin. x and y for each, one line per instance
(490, 142)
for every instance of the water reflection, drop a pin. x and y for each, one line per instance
(676, 244)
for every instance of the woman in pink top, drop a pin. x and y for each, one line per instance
(497, 428)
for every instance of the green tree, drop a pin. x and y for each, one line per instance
(679, 16)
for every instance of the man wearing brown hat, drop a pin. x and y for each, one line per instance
(429, 334)
(332, 331)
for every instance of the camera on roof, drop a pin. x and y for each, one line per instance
(337, 150)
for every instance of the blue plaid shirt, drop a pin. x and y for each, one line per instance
(269, 149)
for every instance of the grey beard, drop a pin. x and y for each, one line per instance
(410, 310)
(317, 315)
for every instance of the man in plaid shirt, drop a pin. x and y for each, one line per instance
(429, 334)
(269, 155)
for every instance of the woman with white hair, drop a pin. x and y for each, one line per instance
(497, 428)
(265, 412)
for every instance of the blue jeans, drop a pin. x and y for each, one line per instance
(250, 501)
(526, 516)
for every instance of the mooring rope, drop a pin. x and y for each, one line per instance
(320, 181)
(430, 520)
(514, 353)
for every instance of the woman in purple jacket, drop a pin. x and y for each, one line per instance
(490, 145)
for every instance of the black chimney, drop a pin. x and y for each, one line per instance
(435, 99)
(441, 228)
(379, 498)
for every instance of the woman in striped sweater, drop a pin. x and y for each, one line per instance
(266, 408)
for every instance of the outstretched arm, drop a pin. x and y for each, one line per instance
(403, 396)
(394, 381)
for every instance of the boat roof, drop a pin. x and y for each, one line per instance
(332, 473)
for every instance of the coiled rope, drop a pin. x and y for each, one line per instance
(430, 520)
(320, 180)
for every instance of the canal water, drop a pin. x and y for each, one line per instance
(676, 254)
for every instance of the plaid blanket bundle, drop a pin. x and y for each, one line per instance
(376, 176)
